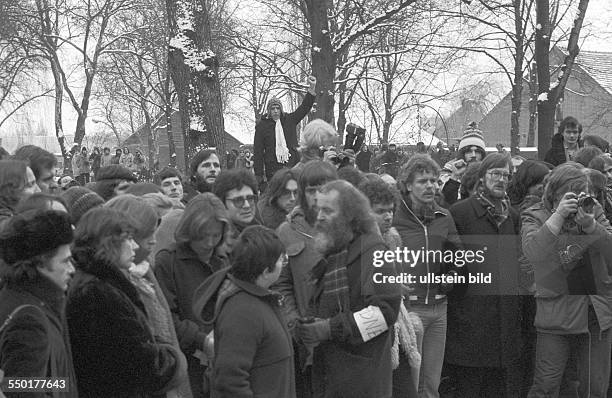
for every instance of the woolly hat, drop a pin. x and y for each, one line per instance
(79, 200)
(274, 101)
(472, 137)
(115, 172)
(33, 233)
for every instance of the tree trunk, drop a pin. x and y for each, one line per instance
(194, 68)
(169, 130)
(323, 58)
(517, 86)
(533, 105)
(59, 129)
(546, 109)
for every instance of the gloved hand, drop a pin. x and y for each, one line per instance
(312, 333)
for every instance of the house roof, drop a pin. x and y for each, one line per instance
(599, 66)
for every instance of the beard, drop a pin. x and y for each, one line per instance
(332, 237)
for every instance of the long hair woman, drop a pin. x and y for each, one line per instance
(17, 181)
(115, 350)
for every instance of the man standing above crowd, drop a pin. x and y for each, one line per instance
(36, 267)
(565, 143)
(275, 143)
(350, 332)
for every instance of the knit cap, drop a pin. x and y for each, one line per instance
(33, 233)
(472, 137)
(79, 200)
(274, 101)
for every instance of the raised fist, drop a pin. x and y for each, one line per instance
(312, 84)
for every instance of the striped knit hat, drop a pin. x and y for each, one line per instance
(472, 137)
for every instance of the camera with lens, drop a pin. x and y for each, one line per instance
(355, 137)
(586, 202)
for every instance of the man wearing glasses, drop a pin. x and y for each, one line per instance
(237, 188)
(483, 338)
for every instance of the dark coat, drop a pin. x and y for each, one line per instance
(346, 366)
(362, 161)
(270, 215)
(115, 352)
(264, 144)
(35, 342)
(484, 325)
(556, 153)
(179, 273)
(253, 350)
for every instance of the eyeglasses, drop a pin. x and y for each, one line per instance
(238, 201)
(497, 175)
(290, 192)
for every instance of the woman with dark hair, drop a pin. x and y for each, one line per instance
(17, 181)
(95, 160)
(115, 351)
(117, 158)
(203, 172)
(280, 198)
(527, 185)
(127, 159)
(142, 277)
(185, 265)
(253, 351)
(569, 244)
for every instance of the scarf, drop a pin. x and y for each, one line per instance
(282, 153)
(498, 209)
(335, 293)
(408, 330)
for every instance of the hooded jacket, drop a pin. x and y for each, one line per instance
(565, 292)
(253, 349)
(556, 153)
(264, 144)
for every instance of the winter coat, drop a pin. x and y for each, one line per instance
(346, 366)
(82, 163)
(114, 348)
(439, 234)
(362, 161)
(293, 282)
(116, 159)
(264, 145)
(180, 272)
(96, 161)
(127, 160)
(35, 342)
(556, 153)
(253, 350)
(106, 160)
(565, 292)
(484, 324)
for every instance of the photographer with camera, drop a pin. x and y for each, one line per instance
(568, 240)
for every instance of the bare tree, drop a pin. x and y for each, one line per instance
(194, 68)
(550, 94)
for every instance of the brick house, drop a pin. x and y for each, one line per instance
(139, 140)
(588, 97)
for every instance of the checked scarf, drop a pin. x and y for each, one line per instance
(333, 277)
(497, 209)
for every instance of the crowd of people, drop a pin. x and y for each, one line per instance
(291, 278)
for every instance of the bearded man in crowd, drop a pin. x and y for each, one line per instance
(351, 357)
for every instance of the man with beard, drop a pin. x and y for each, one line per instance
(297, 235)
(203, 172)
(352, 314)
(36, 267)
(471, 149)
(483, 340)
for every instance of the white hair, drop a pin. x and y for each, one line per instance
(318, 133)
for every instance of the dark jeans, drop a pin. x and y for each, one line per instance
(592, 355)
